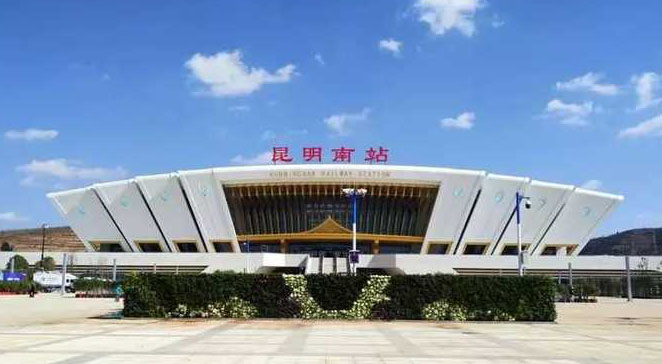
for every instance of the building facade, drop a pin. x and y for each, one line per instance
(300, 209)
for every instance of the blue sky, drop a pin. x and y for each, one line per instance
(562, 91)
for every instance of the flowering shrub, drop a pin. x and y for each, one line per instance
(235, 307)
(481, 298)
(371, 294)
(442, 310)
(409, 297)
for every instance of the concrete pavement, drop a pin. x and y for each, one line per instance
(608, 332)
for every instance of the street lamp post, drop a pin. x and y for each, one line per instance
(520, 254)
(43, 243)
(354, 194)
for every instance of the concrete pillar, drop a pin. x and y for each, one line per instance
(114, 269)
(628, 276)
(561, 251)
(64, 274)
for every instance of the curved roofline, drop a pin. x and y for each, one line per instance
(349, 167)
(384, 167)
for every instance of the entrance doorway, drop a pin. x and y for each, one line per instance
(326, 249)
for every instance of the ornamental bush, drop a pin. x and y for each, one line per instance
(412, 297)
(335, 292)
(372, 293)
(15, 287)
(484, 298)
(94, 284)
(158, 295)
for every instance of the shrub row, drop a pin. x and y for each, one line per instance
(529, 298)
(88, 285)
(412, 297)
(15, 287)
(156, 295)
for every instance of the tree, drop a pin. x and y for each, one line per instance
(20, 263)
(48, 264)
(6, 247)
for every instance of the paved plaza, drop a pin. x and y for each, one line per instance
(52, 329)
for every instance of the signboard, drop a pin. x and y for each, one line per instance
(338, 155)
(12, 277)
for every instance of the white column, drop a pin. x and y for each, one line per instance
(64, 274)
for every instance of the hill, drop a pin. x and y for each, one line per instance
(61, 239)
(647, 241)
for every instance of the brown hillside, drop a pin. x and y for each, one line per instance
(61, 239)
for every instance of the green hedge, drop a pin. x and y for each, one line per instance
(529, 298)
(15, 287)
(413, 297)
(88, 285)
(157, 295)
(335, 292)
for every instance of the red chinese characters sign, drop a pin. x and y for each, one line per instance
(338, 155)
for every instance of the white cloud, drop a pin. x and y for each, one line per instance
(589, 82)
(645, 86)
(239, 108)
(463, 121)
(270, 135)
(445, 15)
(262, 158)
(650, 127)
(318, 57)
(12, 217)
(225, 75)
(63, 169)
(497, 22)
(592, 184)
(391, 45)
(569, 113)
(340, 124)
(31, 134)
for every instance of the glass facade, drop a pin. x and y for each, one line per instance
(283, 209)
(327, 249)
(399, 248)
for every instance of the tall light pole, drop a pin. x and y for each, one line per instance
(354, 194)
(520, 256)
(43, 243)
